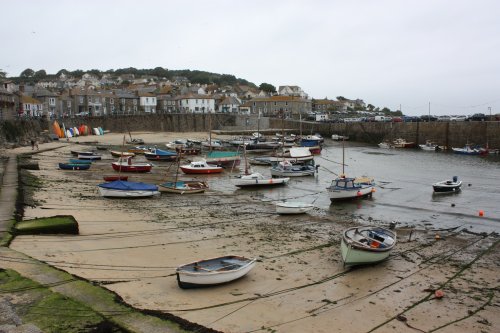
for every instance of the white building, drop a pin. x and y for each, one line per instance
(193, 103)
(229, 105)
(147, 102)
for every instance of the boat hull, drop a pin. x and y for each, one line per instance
(189, 170)
(184, 187)
(188, 278)
(73, 166)
(337, 195)
(241, 182)
(359, 247)
(110, 193)
(113, 178)
(288, 208)
(131, 167)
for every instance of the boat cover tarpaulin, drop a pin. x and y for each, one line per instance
(129, 186)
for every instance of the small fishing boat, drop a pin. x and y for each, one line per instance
(257, 179)
(467, 150)
(213, 144)
(402, 143)
(429, 146)
(201, 167)
(76, 152)
(126, 165)
(160, 155)
(293, 207)
(112, 178)
(115, 153)
(125, 189)
(138, 149)
(344, 188)
(73, 166)
(287, 169)
(448, 186)
(209, 272)
(93, 157)
(311, 141)
(76, 161)
(366, 245)
(337, 137)
(183, 186)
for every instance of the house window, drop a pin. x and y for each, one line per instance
(89, 98)
(135, 103)
(97, 99)
(111, 101)
(69, 104)
(81, 99)
(274, 103)
(52, 101)
(123, 100)
(147, 100)
(286, 103)
(196, 101)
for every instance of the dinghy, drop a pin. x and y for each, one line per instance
(213, 271)
(366, 245)
(447, 186)
(293, 207)
(183, 187)
(73, 166)
(124, 189)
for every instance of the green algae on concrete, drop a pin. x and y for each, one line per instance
(59, 224)
(35, 304)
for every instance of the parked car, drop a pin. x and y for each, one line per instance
(397, 119)
(428, 118)
(410, 119)
(458, 118)
(444, 118)
(477, 117)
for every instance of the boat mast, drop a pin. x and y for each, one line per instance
(209, 131)
(178, 165)
(343, 157)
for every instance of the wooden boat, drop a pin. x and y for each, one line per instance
(112, 178)
(201, 167)
(293, 207)
(121, 153)
(138, 150)
(402, 143)
(213, 271)
(76, 161)
(183, 186)
(344, 188)
(447, 186)
(287, 169)
(89, 157)
(366, 245)
(125, 189)
(73, 166)
(126, 165)
(135, 141)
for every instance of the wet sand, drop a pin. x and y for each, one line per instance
(299, 284)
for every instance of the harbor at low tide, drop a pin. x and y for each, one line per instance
(132, 247)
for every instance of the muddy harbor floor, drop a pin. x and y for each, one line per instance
(132, 248)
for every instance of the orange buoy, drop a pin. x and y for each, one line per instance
(358, 194)
(481, 213)
(437, 237)
(439, 294)
(373, 190)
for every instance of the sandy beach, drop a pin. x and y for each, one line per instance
(299, 284)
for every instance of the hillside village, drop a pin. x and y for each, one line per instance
(107, 94)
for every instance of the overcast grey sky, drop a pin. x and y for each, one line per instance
(386, 52)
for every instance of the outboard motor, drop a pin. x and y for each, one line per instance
(455, 179)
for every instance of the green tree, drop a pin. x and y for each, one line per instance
(386, 110)
(28, 72)
(269, 88)
(40, 75)
(62, 71)
(341, 98)
(370, 107)
(3, 74)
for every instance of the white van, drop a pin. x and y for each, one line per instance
(382, 118)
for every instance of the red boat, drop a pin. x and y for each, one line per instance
(201, 167)
(127, 166)
(114, 177)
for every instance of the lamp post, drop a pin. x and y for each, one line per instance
(489, 108)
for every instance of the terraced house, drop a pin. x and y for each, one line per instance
(275, 106)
